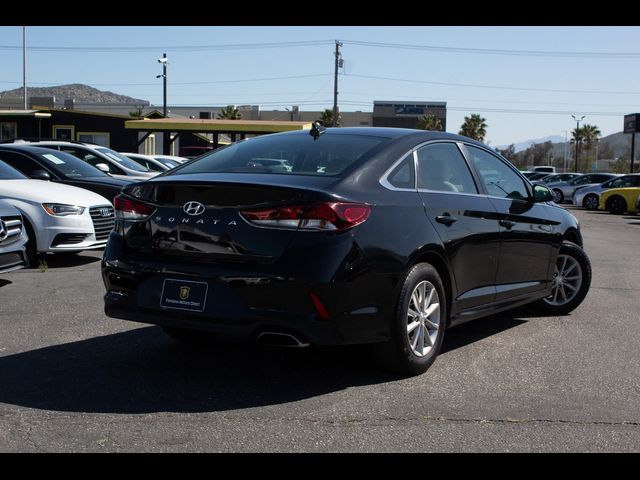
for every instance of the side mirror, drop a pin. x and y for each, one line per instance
(103, 167)
(542, 194)
(40, 175)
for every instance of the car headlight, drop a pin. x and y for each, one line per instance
(62, 210)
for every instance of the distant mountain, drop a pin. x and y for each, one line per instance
(520, 146)
(77, 91)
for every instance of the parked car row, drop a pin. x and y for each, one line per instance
(58, 197)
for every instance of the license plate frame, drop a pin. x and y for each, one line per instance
(179, 295)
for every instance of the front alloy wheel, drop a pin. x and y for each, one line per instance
(570, 283)
(567, 279)
(591, 202)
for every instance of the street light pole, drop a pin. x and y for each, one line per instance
(165, 135)
(565, 149)
(578, 120)
(24, 65)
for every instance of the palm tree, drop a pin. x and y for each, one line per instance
(577, 136)
(591, 135)
(430, 122)
(230, 113)
(326, 119)
(474, 127)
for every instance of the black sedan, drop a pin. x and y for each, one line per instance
(373, 235)
(60, 167)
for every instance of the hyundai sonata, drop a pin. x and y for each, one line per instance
(373, 235)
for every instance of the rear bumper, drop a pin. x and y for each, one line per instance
(247, 300)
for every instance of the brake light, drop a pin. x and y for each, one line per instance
(131, 210)
(325, 216)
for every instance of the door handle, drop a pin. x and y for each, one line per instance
(508, 224)
(446, 219)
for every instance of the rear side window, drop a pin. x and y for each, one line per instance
(404, 175)
(329, 155)
(442, 167)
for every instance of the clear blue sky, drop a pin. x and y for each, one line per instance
(581, 70)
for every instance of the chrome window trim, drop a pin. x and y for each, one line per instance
(386, 184)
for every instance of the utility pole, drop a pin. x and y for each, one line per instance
(24, 65)
(338, 63)
(578, 120)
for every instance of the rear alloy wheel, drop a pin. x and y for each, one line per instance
(616, 205)
(571, 281)
(418, 328)
(558, 196)
(590, 202)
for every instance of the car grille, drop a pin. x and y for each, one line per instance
(103, 221)
(10, 229)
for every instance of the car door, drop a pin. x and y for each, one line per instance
(529, 233)
(465, 221)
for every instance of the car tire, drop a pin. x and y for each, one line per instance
(591, 202)
(418, 323)
(558, 196)
(31, 248)
(616, 205)
(571, 281)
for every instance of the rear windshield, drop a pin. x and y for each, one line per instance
(329, 155)
(122, 160)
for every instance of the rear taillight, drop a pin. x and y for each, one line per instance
(131, 210)
(336, 216)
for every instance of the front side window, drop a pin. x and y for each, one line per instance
(442, 167)
(499, 179)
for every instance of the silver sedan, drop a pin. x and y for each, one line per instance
(589, 196)
(563, 191)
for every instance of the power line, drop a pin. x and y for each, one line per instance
(210, 82)
(497, 87)
(173, 48)
(492, 51)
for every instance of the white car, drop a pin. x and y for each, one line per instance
(13, 239)
(57, 218)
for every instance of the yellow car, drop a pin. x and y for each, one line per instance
(620, 200)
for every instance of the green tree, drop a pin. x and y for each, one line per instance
(229, 112)
(577, 137)
(474, 127)
(137, 113)
(430, 122)
(326, 118)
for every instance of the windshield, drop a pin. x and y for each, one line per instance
(69, 165)
(329, 155)
(122, 160)
(9, 173)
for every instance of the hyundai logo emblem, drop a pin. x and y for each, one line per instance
(193, 208)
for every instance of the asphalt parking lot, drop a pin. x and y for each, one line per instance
(72, 379)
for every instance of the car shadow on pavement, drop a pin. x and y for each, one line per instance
(475, 331)
(65, 260)
(144, 371)
(4, 282)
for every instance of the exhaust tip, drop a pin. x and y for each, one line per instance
(280, 339)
